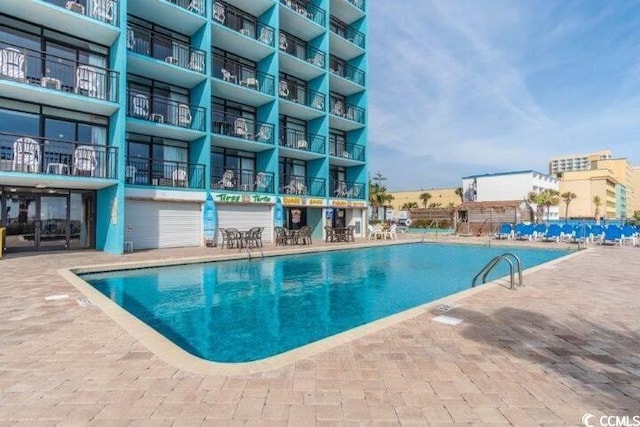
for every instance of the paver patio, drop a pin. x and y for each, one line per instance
(564, 345)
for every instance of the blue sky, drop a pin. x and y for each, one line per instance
(468, 87)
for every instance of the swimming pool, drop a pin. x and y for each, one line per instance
(240, 311)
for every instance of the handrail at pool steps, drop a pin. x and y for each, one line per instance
(510, 258)
(435, 222)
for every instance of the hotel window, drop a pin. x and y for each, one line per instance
(239, 68)
(292, 130)
(337, 142)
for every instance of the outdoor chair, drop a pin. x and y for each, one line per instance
(504, 232)
(341, 190)
(196, 6)
(103, 10)
(184, 115)
(261, 182)
(179, 178)
(330, 234)
(283, 89)
(84, 161)
(629, 233)
(304, 235)
(266, 36)
(241, 128)
(12, 63)
(196, 61)
(338, 108)
(227, 179)
(26, 155)
(218, 12)
(264, 134)
(140, 104)
(281, 236)
(87, 80)
(553, 233)
(228, 77)
(284, 44)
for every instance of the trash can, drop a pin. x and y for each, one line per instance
(2, 231)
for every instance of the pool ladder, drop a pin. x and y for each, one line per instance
(510, 259)
(249, 253)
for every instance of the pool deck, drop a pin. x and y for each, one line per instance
(565, 345)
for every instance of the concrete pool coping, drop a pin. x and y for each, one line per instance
(169, 352)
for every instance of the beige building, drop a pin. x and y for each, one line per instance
(441, 197)
(635, 182)
(587, 185)
(579, 167)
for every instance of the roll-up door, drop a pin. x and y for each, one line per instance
(151, 224)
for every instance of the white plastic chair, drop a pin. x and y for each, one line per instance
(130, 173)
(241, 127)
(103, 10)
(284, 44)
(179, 178)
(26, 155)
(317, 60)
(84, 160)
(266, 36)
(283, 89)
(131, 37)
(87, 79)
(12, 63)
(251, 82)
(196, 61)
(140, 105)
(341, 190)
(338, 108)
(227, 76)
(196, 6)
(318, 102)
(264, 134)
(218, 12)
(184, 115)
(227, 179)
(261, 181)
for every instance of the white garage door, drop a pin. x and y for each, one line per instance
(243, 217)
(151, 225)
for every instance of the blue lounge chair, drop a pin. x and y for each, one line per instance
(524, 231)
(553, 233)
(597, 232)
(566, 232)
(582, 233)
(629, 233)
(539, 231)
(504, 232)
(612, 234)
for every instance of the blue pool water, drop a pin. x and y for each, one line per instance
(239, 311)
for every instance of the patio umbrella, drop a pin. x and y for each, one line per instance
(210, 220)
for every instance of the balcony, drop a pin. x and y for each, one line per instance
(302, 18)
(164, 173)
(346, 42)
(346, 154)
(345, 116)
(304, 103)
(346, 190)
(300, 145)
(83, 85)
(239, 83)
(66, 164)
(177, 120)
(233, 131)
(348, 10)
(300, 60)
(98, 24)
(245, 180)
(303, 186)
(183, 16)
(174, 61)
(345, 78)
(233, 32)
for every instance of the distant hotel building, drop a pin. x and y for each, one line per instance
(120, 118)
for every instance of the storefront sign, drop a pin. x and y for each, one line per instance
(341, 203)
(315, 202)
(243, 198)
(292, 201)
(358, 204)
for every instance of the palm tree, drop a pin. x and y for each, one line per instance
(409, 205)
(425, 199)
(597, 202)
(378, 196)
(537, 199)
(460, 194)
(552, 198)
(567, 197)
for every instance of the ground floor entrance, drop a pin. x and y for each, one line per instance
(52, 219)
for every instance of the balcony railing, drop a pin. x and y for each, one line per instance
(348, 151)
(232, 18)
(346, 32)
(348, 71)
(300, 94)
(196, 6)
(357, 3)
(306, 9)
(43, 69)
(35, 155)
(235, 73)
(159, 46)
(303, 186)
(164, 173)
(230, 179)
(162, 110)
(302, 51)
(347, 111)
(101, 10)
(345, 189)
(241, 127)
(293, 138)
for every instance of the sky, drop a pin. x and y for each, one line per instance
(459, 87)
